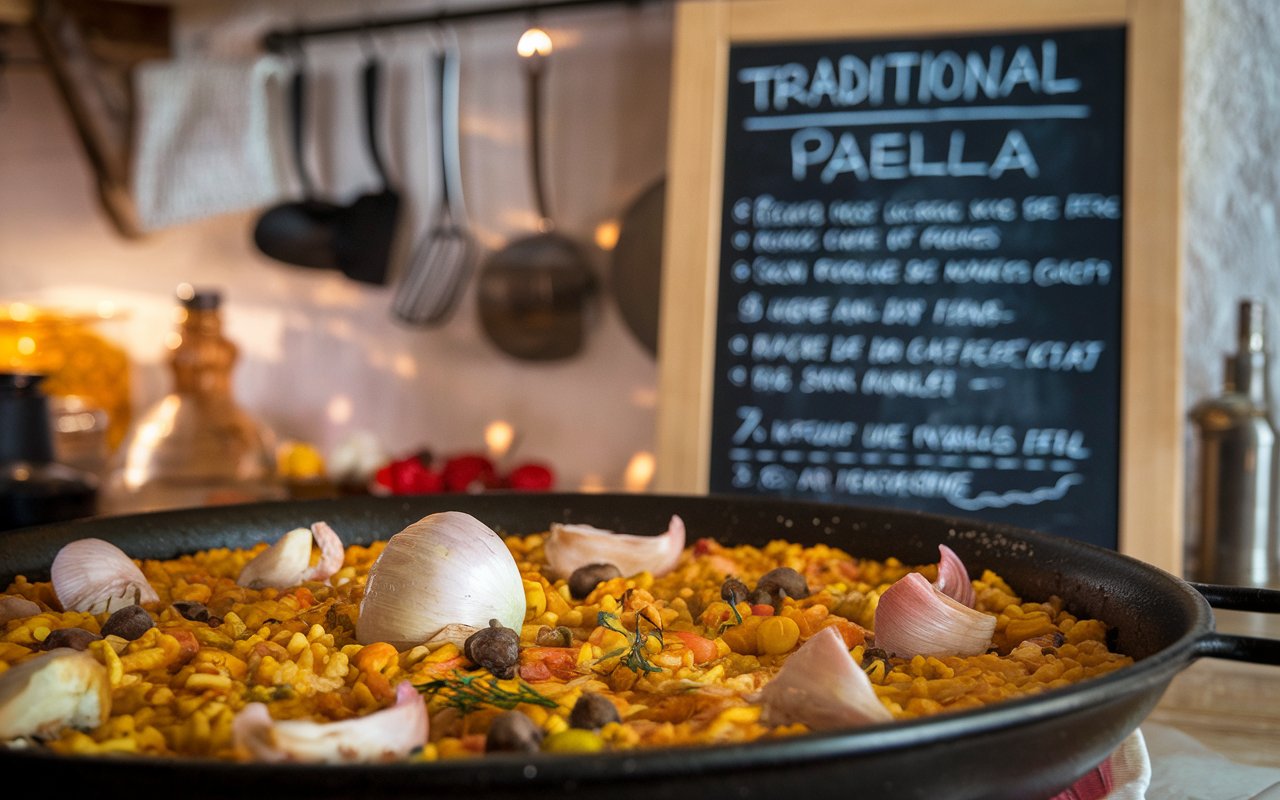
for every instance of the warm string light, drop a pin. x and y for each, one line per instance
(534, 42)
(499, 435)
(639, 472)
(607, 234)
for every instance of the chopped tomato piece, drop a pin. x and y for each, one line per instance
(559, 662)
(852, 633)
(535, 672)
(703, 649)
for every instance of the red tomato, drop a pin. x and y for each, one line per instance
(531, 477)
(469, 473)
(411, 476)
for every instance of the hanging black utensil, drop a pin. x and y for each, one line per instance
(534, 293)
(365, 231)
(637, 264)
(299, 232)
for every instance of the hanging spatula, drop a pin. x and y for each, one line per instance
(429, 290)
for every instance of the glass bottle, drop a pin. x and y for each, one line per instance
(1239, 464)
(34, 489)
(196, 446)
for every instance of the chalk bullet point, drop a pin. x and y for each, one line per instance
(741, 271)
(738, 376)
(741, 240)
(738, 345)
(742, 210)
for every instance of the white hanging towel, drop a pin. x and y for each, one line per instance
(210, 138)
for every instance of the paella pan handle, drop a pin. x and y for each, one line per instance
(1239, 648)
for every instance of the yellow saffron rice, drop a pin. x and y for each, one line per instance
(683, 679)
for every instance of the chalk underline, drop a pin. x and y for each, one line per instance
(838, 119)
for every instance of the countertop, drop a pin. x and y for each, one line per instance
(1215, 734)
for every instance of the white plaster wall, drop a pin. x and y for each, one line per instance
(1231, 178)
(1231, 184)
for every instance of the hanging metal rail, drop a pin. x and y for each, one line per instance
(282, 40)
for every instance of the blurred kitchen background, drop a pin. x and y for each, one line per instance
(321, 356)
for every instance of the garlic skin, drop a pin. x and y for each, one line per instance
(13, 606)
(288, 562)
(386, 735)
(913, 618)
(58, 689)
(95, 576)
(953, 578)
(445, 569)
(569, 547)
(821, 687)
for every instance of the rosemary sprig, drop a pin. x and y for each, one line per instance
(634, 656)
(737, 620)
(468, 692)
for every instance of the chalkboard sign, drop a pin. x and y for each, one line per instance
(921, 275)
(927, 257)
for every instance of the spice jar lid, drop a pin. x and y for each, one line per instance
(196, 299)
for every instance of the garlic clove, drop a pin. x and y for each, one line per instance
(288, 562)
(332, 552)
(913, 618)
(569, 547)
(821, 687)
(58, 689)
(953, 578)
(386, 735)
(95, 576)
(445, 569)
(13, 606)
(280, 565)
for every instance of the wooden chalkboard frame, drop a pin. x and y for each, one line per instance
(1152, 408)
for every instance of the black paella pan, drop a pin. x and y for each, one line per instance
(1026, 748)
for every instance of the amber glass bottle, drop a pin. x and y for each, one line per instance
(196, 446)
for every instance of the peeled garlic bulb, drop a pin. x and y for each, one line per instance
(95, 576)
(445, 569)
(913, 618)
(387, 735)
(287, 562)
(55, 690)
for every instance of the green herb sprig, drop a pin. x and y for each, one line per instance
(737, 620)
(468, 692)
(634, 656)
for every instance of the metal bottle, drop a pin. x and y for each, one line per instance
(1238, 468)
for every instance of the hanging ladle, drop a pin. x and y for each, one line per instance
(534, 294)
(299, 232)
(356, 238)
